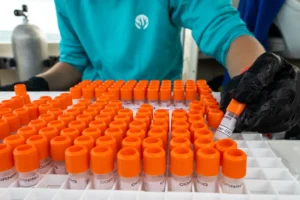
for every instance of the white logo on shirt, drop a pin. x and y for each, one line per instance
(141, 21)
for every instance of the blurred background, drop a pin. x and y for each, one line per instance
(283, 38)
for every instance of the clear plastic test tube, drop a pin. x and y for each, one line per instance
(154, 165)
(165, 97)
(179, 142)
(160, 133)
(207, 169)
(111, 142)
(58, 146)
(14, 140)
(234, 171)
(181, 168)
(178, 97)
(27, 165)
(228, 122)
(102, 166)
(223, 145)
(77, 166)
(129, 168)
(152, 96)
(7, 172)
(41, 143)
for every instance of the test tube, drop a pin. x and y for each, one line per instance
(160, 133)
(68, 98)
(154, 165)
(79, 125)
(179, 142)
(158, 123)
(76, 94)
(139, 96)
(58, 124)
(202, 142)
(14, 140)
(87, 141)
(104, 117)
(190, 94)
(129, 168)
(66, 118)
(126, 111)
(137, 133)
(13, 122)
(85, 118)
(133, 141)
(117, 133)
(197, 126)
(124, 118)
(139, 125)
(181, 132)
(37, 124)
(181, 168)
(102, 166)
(223, 145)
(203, 133)
(234, 171)
(119, 124)
(126, 95)
(93, 132)
(178, 97)
(111, 142)
(49, 132)
(47, 117)
(101, 125)
(79, 106)
(5, 131)
(92, 112)
(143, 118)
(27, 132)
(88, 93)
(214, 118)
(180, 124)
(43, 108)
(207, 168)
(72, 133)
(152, 141)
(77, 166)
(58, 145)
(7, 172)
(228, 122)
(152, 96)
(41, 144)
(23, 115)
(55, 112)
(165, 97)
(27, 165)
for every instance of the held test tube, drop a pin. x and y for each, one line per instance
(77, 165)
(154, 165)
(7, 171)
(234, 171)
(58, 145)
(207, 168)
(27, 165)
(228, 122)
(181, 167)
(102, 166)
(129, 168)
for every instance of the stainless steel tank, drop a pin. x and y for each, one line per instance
(30, 48)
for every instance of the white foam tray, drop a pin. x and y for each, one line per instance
(267, 179)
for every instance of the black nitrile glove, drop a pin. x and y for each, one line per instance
(271, 91)
(33, 84)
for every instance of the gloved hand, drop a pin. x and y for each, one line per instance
(33, 84)
(270, 88)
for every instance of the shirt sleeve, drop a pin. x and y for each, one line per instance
(71, 50)
(215, 24)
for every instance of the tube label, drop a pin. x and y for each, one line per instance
(29, 181)
(104, 184)
(226, 126)
(158, 185)
(133, 184)
(7, 178)
(232, 188)
(60, 169)
(45, 165)
(205, 186)
(184, 186)
(79, 183)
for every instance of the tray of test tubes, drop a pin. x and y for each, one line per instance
(133, 140)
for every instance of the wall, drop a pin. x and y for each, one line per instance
(40, 12)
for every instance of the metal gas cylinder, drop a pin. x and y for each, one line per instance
(30, 48)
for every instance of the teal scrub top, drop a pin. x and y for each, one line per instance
(140, 39)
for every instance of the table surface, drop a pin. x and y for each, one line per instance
(287, 150)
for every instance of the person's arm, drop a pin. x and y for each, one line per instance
(218, 31)
(65, 73)
(239, 57)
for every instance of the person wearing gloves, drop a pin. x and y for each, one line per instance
(138, 39)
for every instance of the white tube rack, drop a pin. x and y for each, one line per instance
(267, 179)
